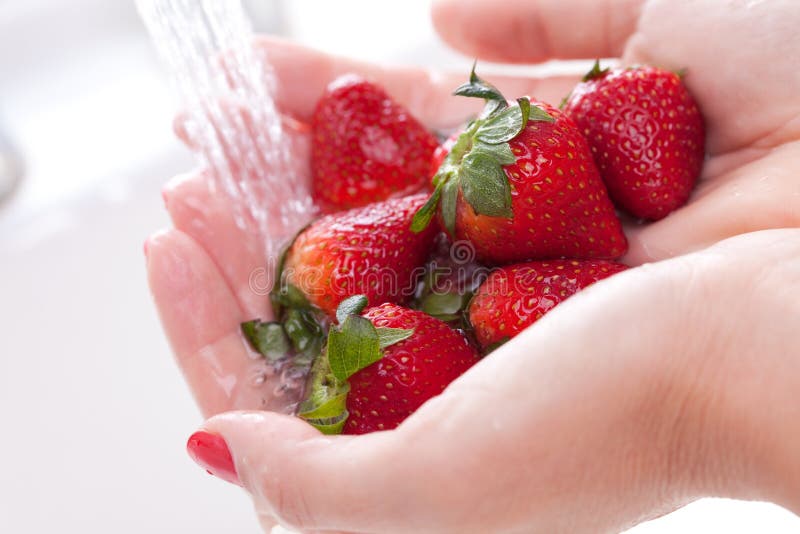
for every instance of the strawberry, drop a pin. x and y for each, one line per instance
(383, 394)
(646, 134)
(365, 147)
(514, 297)
(379, 367)
(369, 250)
(520, 184)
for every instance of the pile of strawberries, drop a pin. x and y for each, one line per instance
(447, 251)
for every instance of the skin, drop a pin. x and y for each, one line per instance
(581, 423)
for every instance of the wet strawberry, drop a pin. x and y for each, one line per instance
(520, 184)
(410, 372)
(514, 297)
(366, 147)
(646, 134)
(369, 250)
(380, 367)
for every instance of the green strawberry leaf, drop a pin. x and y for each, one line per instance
(325, 405)
(509, 123)
(289, 296)
(305, 333)
(501, 153)
(595, 72)
(442, 304)
(492, 107)
(268, 339)
(350, 306)
(525, 108)
(449, 202)
(332, 426)
(304, 359)
(501, 128)
(485, 186)
(329, 408)
(352, 346)
(535, 113)
(479, 88)
(423, 217)
(390, 336)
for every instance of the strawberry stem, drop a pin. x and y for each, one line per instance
(352, 345)
(595, 72)
(477, 87)
(474, 166)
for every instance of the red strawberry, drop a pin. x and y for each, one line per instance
(520, 184)
(369, 250)
(365, 146)
(646, 134)
(412, 358)
(410, 372)
(514, 297)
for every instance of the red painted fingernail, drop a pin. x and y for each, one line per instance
(211, 453)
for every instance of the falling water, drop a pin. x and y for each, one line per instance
(230, 117)
(226, 86)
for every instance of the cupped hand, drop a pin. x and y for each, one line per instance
(741, 68)
(584, 422)
(630, 399)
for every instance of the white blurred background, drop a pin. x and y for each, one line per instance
(93, 412)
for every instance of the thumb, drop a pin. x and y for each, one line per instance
(306, 480)
(517, 34)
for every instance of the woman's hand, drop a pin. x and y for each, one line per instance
(742, 68)
(645, 391)
(629, 399)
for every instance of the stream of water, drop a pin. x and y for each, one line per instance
(225, 86)
(229, 114)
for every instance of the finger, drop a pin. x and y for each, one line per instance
(201, 318)
(207, 217)
(302, 74)
(664, 39)
(531, 31)
(759, 195)
(201, 206)
(311, 482)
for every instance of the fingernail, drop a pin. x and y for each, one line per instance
(210, 452)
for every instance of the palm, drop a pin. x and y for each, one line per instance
(752, 115)
(200, 271)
